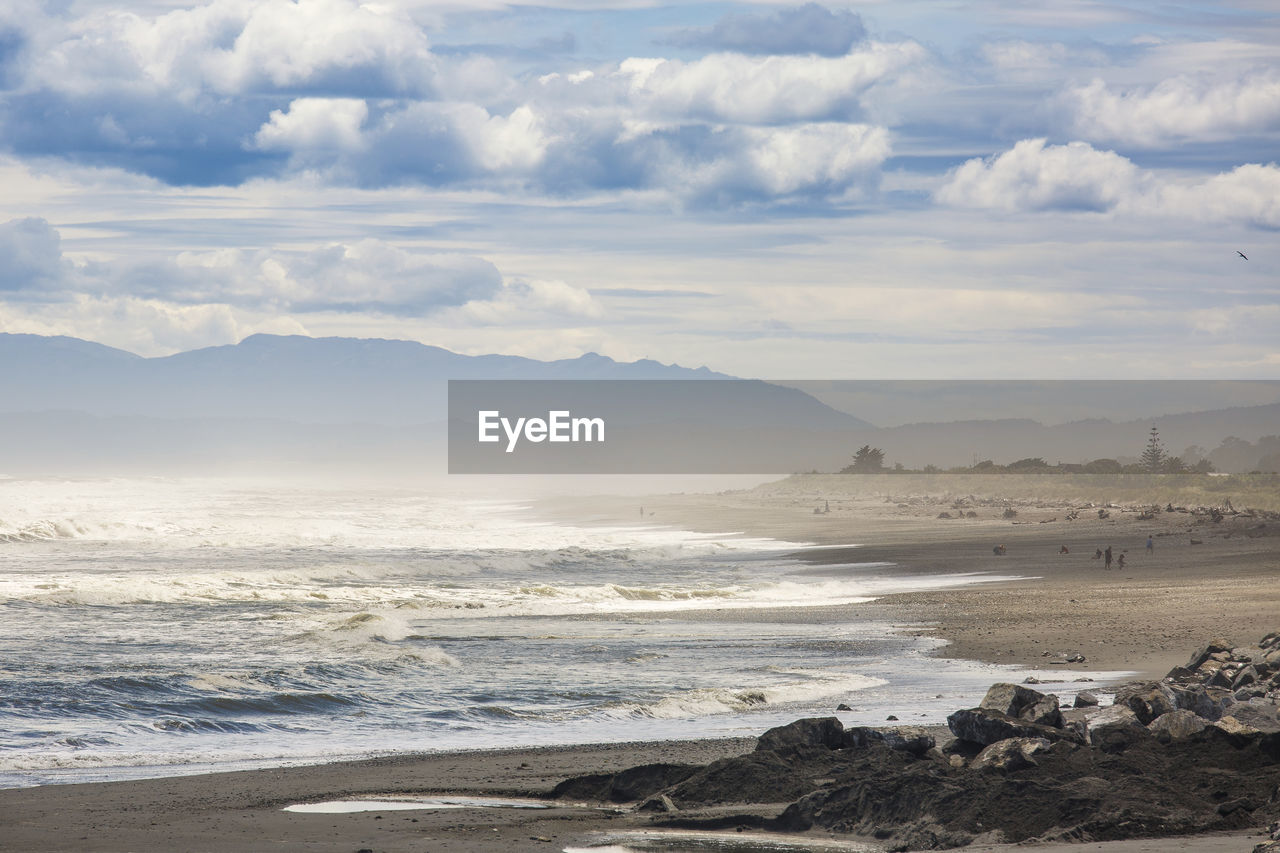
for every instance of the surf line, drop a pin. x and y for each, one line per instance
(558, 426)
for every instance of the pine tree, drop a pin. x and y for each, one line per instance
(1153, 457)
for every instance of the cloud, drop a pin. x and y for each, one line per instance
(1177, 110)
(1034, 176)
(774, 163)
(810, 28)
(336, 47)
(768, 90)
(314, 123)
(367, 276)
(30, 257)
(433, 143)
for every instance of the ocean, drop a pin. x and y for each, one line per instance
(154, 627)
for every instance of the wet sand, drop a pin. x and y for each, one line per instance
(1145, 618)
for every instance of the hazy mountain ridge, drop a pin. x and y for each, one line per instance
(307, 380)
(72, 405)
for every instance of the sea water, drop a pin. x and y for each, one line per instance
(155, 627)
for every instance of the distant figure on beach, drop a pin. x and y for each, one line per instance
(1063, 550)
(998, 550)
(1151, 546)
(1106, 556)
(1097, 555)
(1120, 564)
(642, 512)
(827, 507)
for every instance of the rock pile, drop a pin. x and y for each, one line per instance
(1197, 751)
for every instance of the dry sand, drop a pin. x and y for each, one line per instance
(1145, 618)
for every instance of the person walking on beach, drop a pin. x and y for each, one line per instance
(1106, 556)
(1120, 563)
(1151, 546)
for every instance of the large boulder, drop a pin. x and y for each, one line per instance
(1215, 646)
(1207, 702)
(984, 726)
(1245, 677)
(1176, 725)
(1251, 719)
(1086, 699)
(912, 739)
(813, 731)
(1115, 728)
(1015, 700)
(1010, 754)
(1148, 701)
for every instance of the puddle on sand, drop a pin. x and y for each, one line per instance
(716, 842)
(401, 803)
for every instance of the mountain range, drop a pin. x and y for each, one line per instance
(72, 406)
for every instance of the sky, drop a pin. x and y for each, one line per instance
(984, 189)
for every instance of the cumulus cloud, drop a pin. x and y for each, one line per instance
(767, 90)
(1178, 109)
(237, 46)
(769, 163)
(434, 143)
(1034, 176)
(314, 123)
(810, 28)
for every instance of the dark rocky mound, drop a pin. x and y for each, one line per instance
(1198, 751)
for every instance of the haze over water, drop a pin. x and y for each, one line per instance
(162, 626)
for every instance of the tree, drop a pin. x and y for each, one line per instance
(868, 460)
(1153, 457)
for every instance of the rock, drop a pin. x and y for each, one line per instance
(1086, 699)
(813, 731)
(984, 726)
(1213, 647)
(891, 718)
(1245, 677)
(1271, 641)
(916, 741)
(1247, 654)
(1148, 701)
(1224, 678)
(1076, 658)
(1202, 701)
(1180, 673)
(1015, 700)
(635, 783)
(1267, 847)
(1176, 725)
(1010, 754)
(1115, 728)
(843, 707)
(1253, 717)
(956, 761)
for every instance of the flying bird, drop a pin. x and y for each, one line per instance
(1242, 254)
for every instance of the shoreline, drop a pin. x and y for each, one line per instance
(1144, 619)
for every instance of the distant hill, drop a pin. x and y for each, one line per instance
(295, 378)
(69, 406)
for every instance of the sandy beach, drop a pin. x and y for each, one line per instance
(1144, 618)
